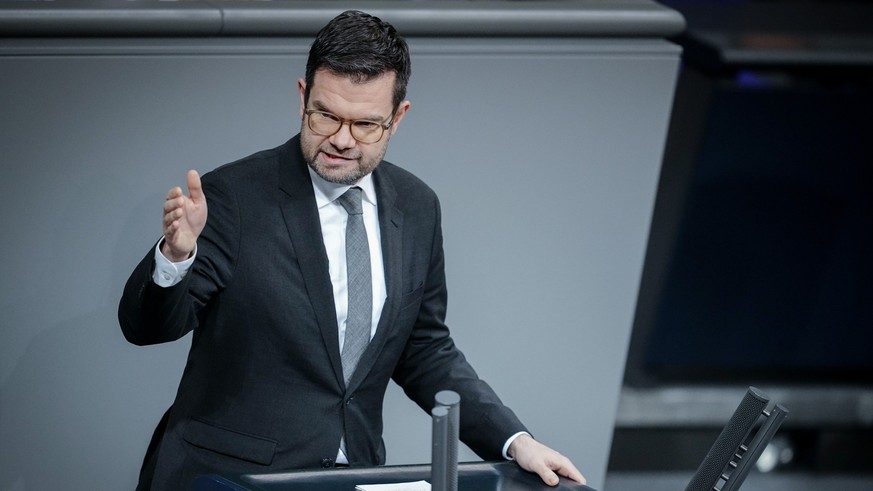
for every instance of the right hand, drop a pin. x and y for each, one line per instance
(184, 219)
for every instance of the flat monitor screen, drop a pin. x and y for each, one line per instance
(769, 275)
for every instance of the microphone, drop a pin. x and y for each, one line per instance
(446, 416)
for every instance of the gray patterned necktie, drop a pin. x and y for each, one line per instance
(359, 282)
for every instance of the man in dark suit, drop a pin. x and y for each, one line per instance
(295, 337)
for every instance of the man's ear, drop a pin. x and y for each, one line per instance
(301, 87)
(398, 116)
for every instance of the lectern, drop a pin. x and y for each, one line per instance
(478, 476)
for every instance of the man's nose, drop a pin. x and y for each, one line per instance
(343, 138)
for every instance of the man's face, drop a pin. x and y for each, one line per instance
(340, 158)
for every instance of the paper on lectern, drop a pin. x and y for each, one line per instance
(400, 486)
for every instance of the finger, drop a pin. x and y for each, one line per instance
(172, 216)
(571, 472)
(563, 466)
(171, 204)
(195, 189)
(555, 465)
(174, 193)
(548, 476)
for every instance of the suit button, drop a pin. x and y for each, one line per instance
(327, 463)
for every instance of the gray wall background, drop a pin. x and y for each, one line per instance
(545, 154)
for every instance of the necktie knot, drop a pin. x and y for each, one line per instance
(351, 201)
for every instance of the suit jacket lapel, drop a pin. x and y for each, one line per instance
(304, 228)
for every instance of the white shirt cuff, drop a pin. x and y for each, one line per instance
(509, 442)
(168, 273)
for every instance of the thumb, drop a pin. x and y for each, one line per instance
(195, 190)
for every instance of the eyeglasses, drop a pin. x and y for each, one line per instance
(363, 130)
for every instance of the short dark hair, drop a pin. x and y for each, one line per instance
(362, 47)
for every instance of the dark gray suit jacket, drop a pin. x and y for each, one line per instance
(263, 387)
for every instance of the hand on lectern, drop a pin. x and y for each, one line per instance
(184, 219)
(535, 457)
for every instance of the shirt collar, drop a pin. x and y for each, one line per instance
(326, 192)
